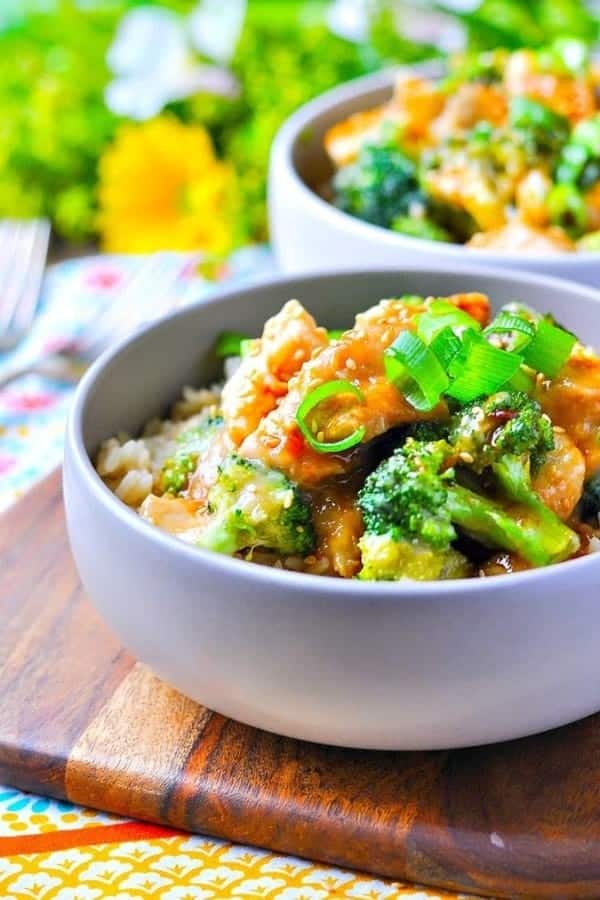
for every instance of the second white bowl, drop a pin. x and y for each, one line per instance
(310, 234)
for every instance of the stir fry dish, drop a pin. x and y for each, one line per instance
(502, 154)
(431, 440)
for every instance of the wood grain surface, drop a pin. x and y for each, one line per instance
(80, 720)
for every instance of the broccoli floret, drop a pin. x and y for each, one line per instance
(590, 502)
(251, 506)
(406, 495)
(389, 558)
(192, 443)
(509, 422)
(538, 129)
(508, 436)
(414, 498)
(380, 186)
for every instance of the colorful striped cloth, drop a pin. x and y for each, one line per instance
(57, 851)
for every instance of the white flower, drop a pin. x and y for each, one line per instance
(153, 62)
(350, 19)
(215, 27)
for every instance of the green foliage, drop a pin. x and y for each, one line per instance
(53, 121)
(251, 505)
(513, 24)
(54, 124)
(281, 63)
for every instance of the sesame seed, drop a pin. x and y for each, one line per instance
(321, 436)
(466, 457)
(558, 429)
(351, 363)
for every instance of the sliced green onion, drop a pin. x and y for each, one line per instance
(480, 368)
(416, 371)
(550, 348)
(446, 345)
(520, 381)
(442, 314)
(335, 334)
(510, 323)
(312, 400)
(230, 343)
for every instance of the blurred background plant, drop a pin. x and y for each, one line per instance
(145, 124)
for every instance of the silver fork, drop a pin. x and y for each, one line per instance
(144, 296)
(23, 251)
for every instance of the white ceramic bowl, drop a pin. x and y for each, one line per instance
(374, 665)
(309, 234)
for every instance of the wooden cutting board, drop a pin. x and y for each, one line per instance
(81, 720)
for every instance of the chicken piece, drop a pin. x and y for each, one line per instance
(592, 202)
(344, 140)
(572, 400)
(472, 103)
(356, 357)
(288, 340)
(417, 102)
(461, 183)
(180, 517)
(570, 97)
(517, 237)
(205, 474)
(559, 481)
(532, 198)
(338, 525)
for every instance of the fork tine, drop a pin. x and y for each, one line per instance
(23, 249)
(28, 303)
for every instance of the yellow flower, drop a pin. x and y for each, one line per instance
(163, 188)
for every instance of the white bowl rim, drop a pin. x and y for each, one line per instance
(357, 590)
(301, 120)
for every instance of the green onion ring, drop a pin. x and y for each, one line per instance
(320, 393)
(416, 371)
